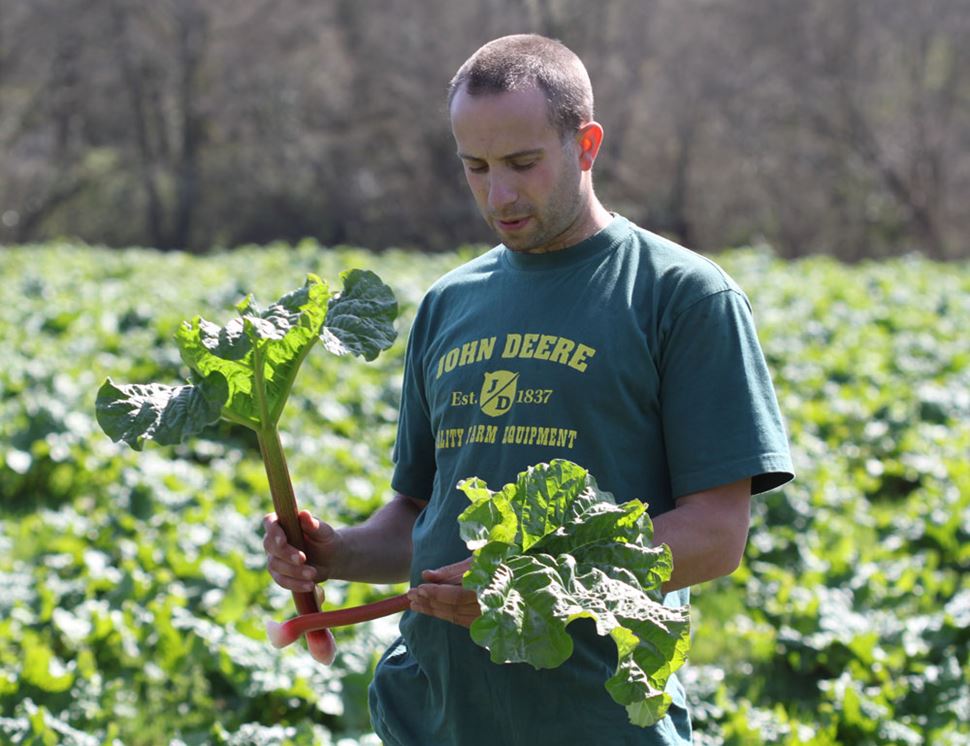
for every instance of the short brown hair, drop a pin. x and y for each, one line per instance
(512, 63)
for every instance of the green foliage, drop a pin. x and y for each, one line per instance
(551, 548)
(245, 370)
(138, 584)
(850, 612)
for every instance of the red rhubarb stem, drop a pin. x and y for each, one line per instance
(300, 625)
(320, 644)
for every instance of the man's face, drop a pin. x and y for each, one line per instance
(526, 180)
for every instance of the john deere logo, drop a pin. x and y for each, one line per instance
(498, 392)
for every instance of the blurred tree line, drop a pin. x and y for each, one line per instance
(837, 126)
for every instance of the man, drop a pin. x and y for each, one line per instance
(580, 336)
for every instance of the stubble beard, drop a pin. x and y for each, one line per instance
(546, 226)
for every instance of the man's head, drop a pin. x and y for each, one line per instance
(521, 114)
(513, 63)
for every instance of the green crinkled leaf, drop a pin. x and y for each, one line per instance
(360, 319)
(273, 342)
(650, 566)
(249, 365)
(134, 413)
(591, 519)
(552, 548)
(525, 611)
(534, 507)
(229, 342)
(546, 495)
(490, 517)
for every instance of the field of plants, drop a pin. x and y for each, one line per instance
(133, 590)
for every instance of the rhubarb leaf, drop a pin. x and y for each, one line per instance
(360, 319)
(135, 413)
(249, 365)
(260, 352)
(551, 548)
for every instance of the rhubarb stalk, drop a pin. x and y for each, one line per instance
(290, 631)
(244, 372)
(320, 643)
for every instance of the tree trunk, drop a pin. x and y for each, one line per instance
(135, 86)
(192, 25)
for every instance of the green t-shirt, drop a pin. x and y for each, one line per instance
(627, 354)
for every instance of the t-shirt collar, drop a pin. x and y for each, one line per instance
(599, 242)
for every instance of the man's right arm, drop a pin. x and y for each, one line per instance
(376, 551)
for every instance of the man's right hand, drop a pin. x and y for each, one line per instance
(295, 570)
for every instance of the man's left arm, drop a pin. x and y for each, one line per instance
(706, 532)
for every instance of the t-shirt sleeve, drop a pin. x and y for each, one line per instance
(414, 449)
(721, 418)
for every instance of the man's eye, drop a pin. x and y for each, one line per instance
(523, 166)
(477, 169)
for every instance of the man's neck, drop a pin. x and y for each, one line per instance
(589, 224)
(599, 219)
(595, 221)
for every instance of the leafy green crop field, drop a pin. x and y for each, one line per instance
(133, 589)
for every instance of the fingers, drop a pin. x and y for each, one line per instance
(451, 603)
(275, 543)
(296, 569)
(443, 597)
(287, 565)
(271, 529)
(274, 534)
(294, 576)
(308, 523)
(449, 574)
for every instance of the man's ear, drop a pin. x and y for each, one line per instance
(589, 138)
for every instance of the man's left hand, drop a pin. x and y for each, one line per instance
(442, 596)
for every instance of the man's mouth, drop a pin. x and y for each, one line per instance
(511, 224)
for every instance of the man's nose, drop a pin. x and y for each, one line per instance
(501, 192)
